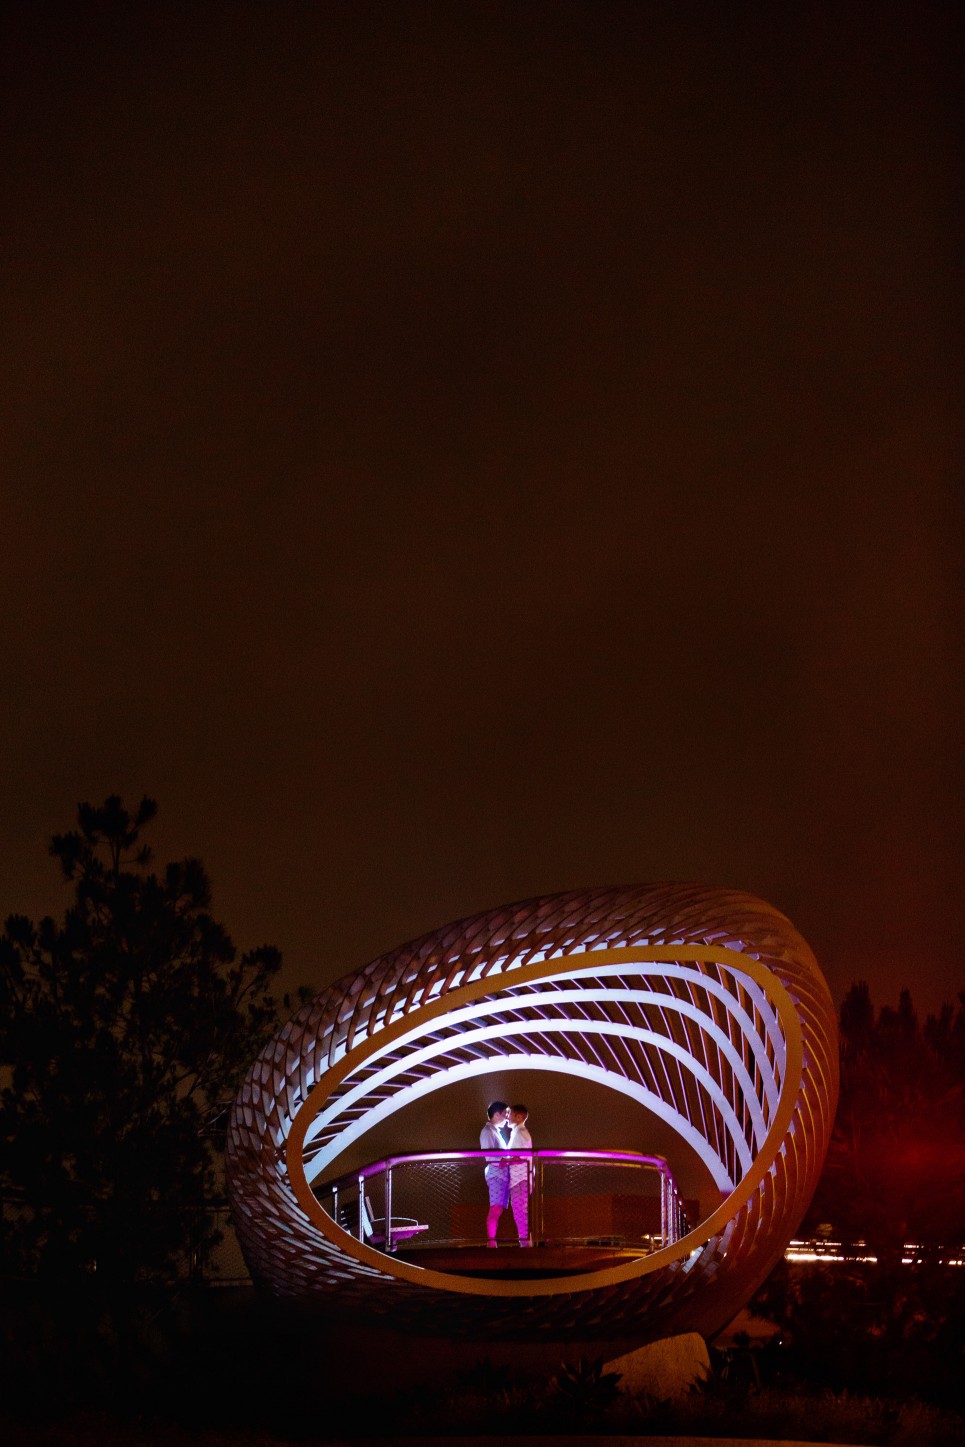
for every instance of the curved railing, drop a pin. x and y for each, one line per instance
(619, 1199)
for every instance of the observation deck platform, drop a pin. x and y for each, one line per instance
(510, 1262)
(585, 1210)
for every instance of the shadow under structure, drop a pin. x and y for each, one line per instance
(704, 1005)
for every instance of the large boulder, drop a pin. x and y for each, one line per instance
(665, 1369)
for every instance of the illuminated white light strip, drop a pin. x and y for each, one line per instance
(809, 1257)
(542, 1027)
(575, 1028)
(533, 998)
(772, 1025)
(662, 1001)
(834, 1252)
(486, 1066)
(670, 970)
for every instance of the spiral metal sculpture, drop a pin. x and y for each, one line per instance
(705, 1005)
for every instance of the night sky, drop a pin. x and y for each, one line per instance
(459, 451)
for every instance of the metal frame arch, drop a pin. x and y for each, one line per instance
(767, 1030)
(596, 1074)
(585, 1282)
(393, 1063)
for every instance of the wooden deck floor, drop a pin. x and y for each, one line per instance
(519, 1262)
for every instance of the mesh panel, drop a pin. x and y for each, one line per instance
(599, 1201)
(449, 1196)
(444, 1201)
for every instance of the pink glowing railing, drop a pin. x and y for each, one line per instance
(575, 1199)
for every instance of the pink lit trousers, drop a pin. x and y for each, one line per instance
(519, 1200)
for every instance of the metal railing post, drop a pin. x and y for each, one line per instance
(538, 1178)
(388, 1208)
(361, 1208)
(664, 1213)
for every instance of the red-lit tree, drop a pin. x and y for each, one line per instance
(123, 1031)
(896, 1167)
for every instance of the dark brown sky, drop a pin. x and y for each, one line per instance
(458, 451)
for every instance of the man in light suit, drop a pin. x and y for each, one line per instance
(491, 1138)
